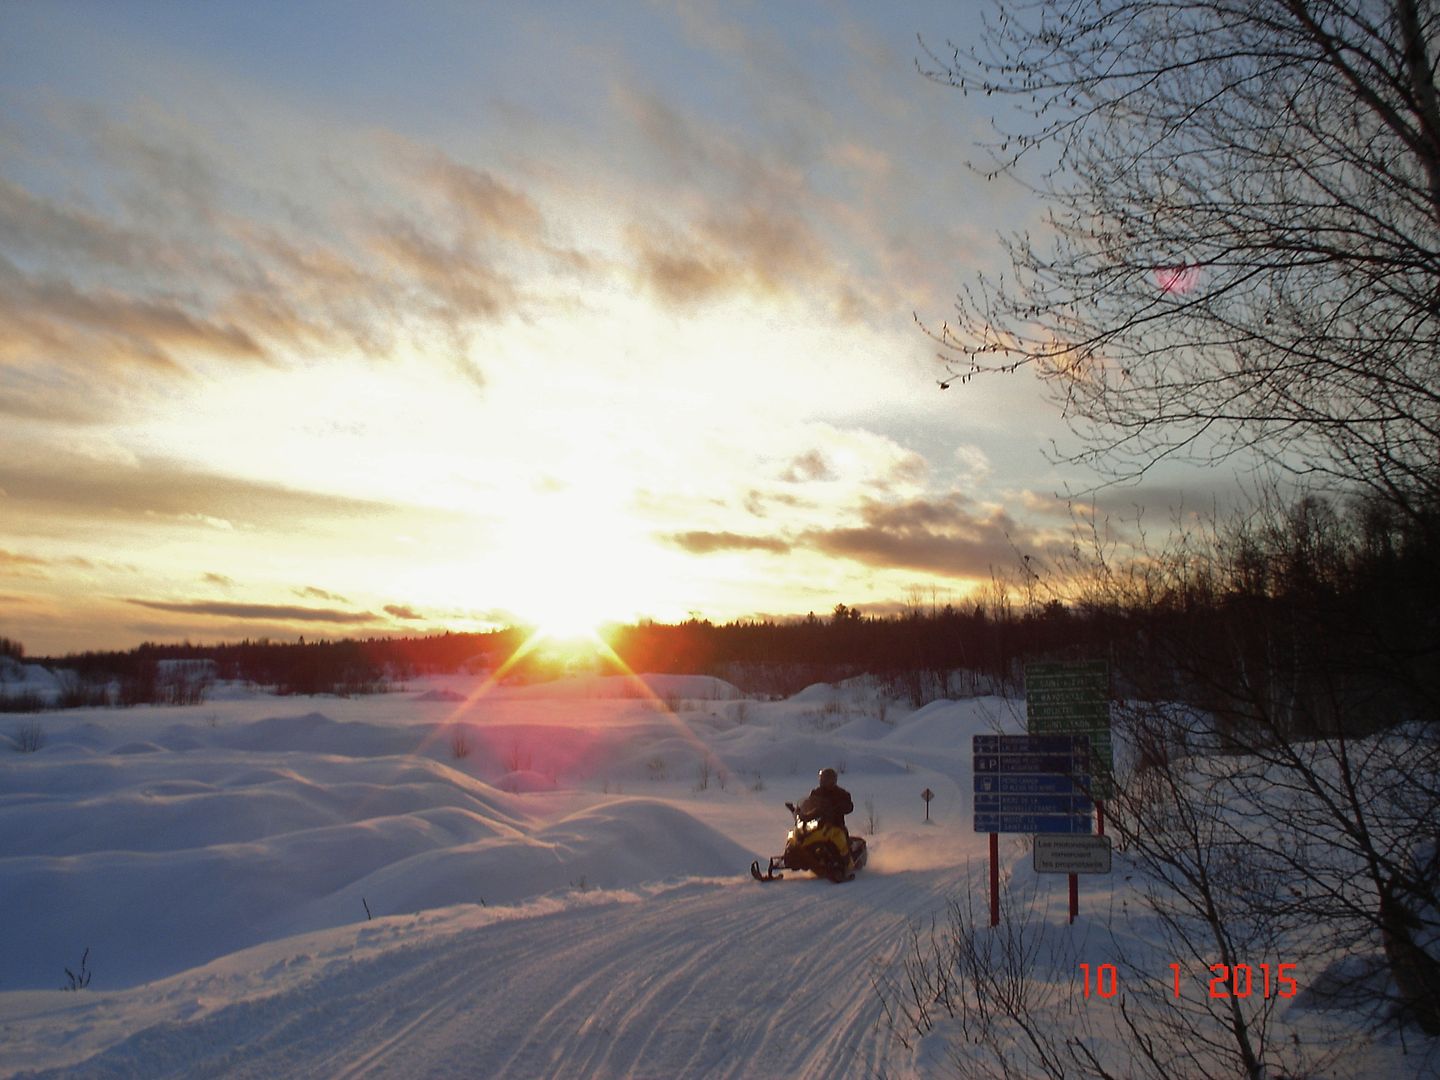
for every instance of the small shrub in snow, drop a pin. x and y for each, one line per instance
(29, 737)
(517, 760)
(759, 784)
(872, 820)
(81, 979)
(656, 768)
(459, 745)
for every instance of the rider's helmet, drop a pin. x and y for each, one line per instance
(828, 778)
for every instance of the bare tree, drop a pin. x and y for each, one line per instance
(1294, 799)
(1243, 241)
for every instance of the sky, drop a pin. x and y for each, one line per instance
(335, 319)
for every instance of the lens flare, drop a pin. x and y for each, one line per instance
(1181, 278)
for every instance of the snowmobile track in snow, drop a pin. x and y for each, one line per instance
(714, 980)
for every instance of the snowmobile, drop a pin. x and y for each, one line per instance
(817, 848)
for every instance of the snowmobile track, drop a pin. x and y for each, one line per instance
(714, 980)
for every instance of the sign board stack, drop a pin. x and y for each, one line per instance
(1046, 783)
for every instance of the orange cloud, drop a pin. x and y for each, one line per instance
(96, 491)
(454, 274)
(948, 536)
(748, 250)
(706, 543)
(282, 612)
(21, 565)
(496, 207)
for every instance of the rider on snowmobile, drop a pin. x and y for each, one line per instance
(829, 802)
(819, 843)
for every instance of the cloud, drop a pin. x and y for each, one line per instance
(159, 159)
(756, 502)
(707, 543)
(402, 611)
(219, 609)
(29, 223)
(950, 536)
(224, 261)
(454, 274)
(911, 468)
(742, 216)
(674, 272)
(810, 465)
(746, 250)
(51, 394)
(151, 489)
(209, 522)
(312, 593)
(973, 463)
(12, 562)
(47, 320)
(219, 579)
(497, 208)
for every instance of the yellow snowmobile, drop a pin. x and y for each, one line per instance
(817, 848)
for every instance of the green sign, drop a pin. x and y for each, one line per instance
(1073, 698)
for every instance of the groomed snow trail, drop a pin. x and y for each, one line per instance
(712, 979)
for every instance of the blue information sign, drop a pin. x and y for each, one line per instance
(1032, 823)
(1032, 783)
(1032, 804)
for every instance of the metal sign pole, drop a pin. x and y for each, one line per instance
(994, 879)
(1074, 898)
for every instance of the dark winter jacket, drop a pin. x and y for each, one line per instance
(830, 805)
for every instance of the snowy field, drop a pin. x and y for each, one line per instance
(548, 881)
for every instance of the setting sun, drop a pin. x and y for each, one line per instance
(567, 626)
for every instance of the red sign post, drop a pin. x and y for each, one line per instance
(994, 879)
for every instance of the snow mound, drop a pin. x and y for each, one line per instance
(816, 694)
(243, 849)
(637, 840)
(623, 843)
(525, 780)
(954, 723)
(317, 733)
(441, 695)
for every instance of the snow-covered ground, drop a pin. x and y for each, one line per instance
(549, 881)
